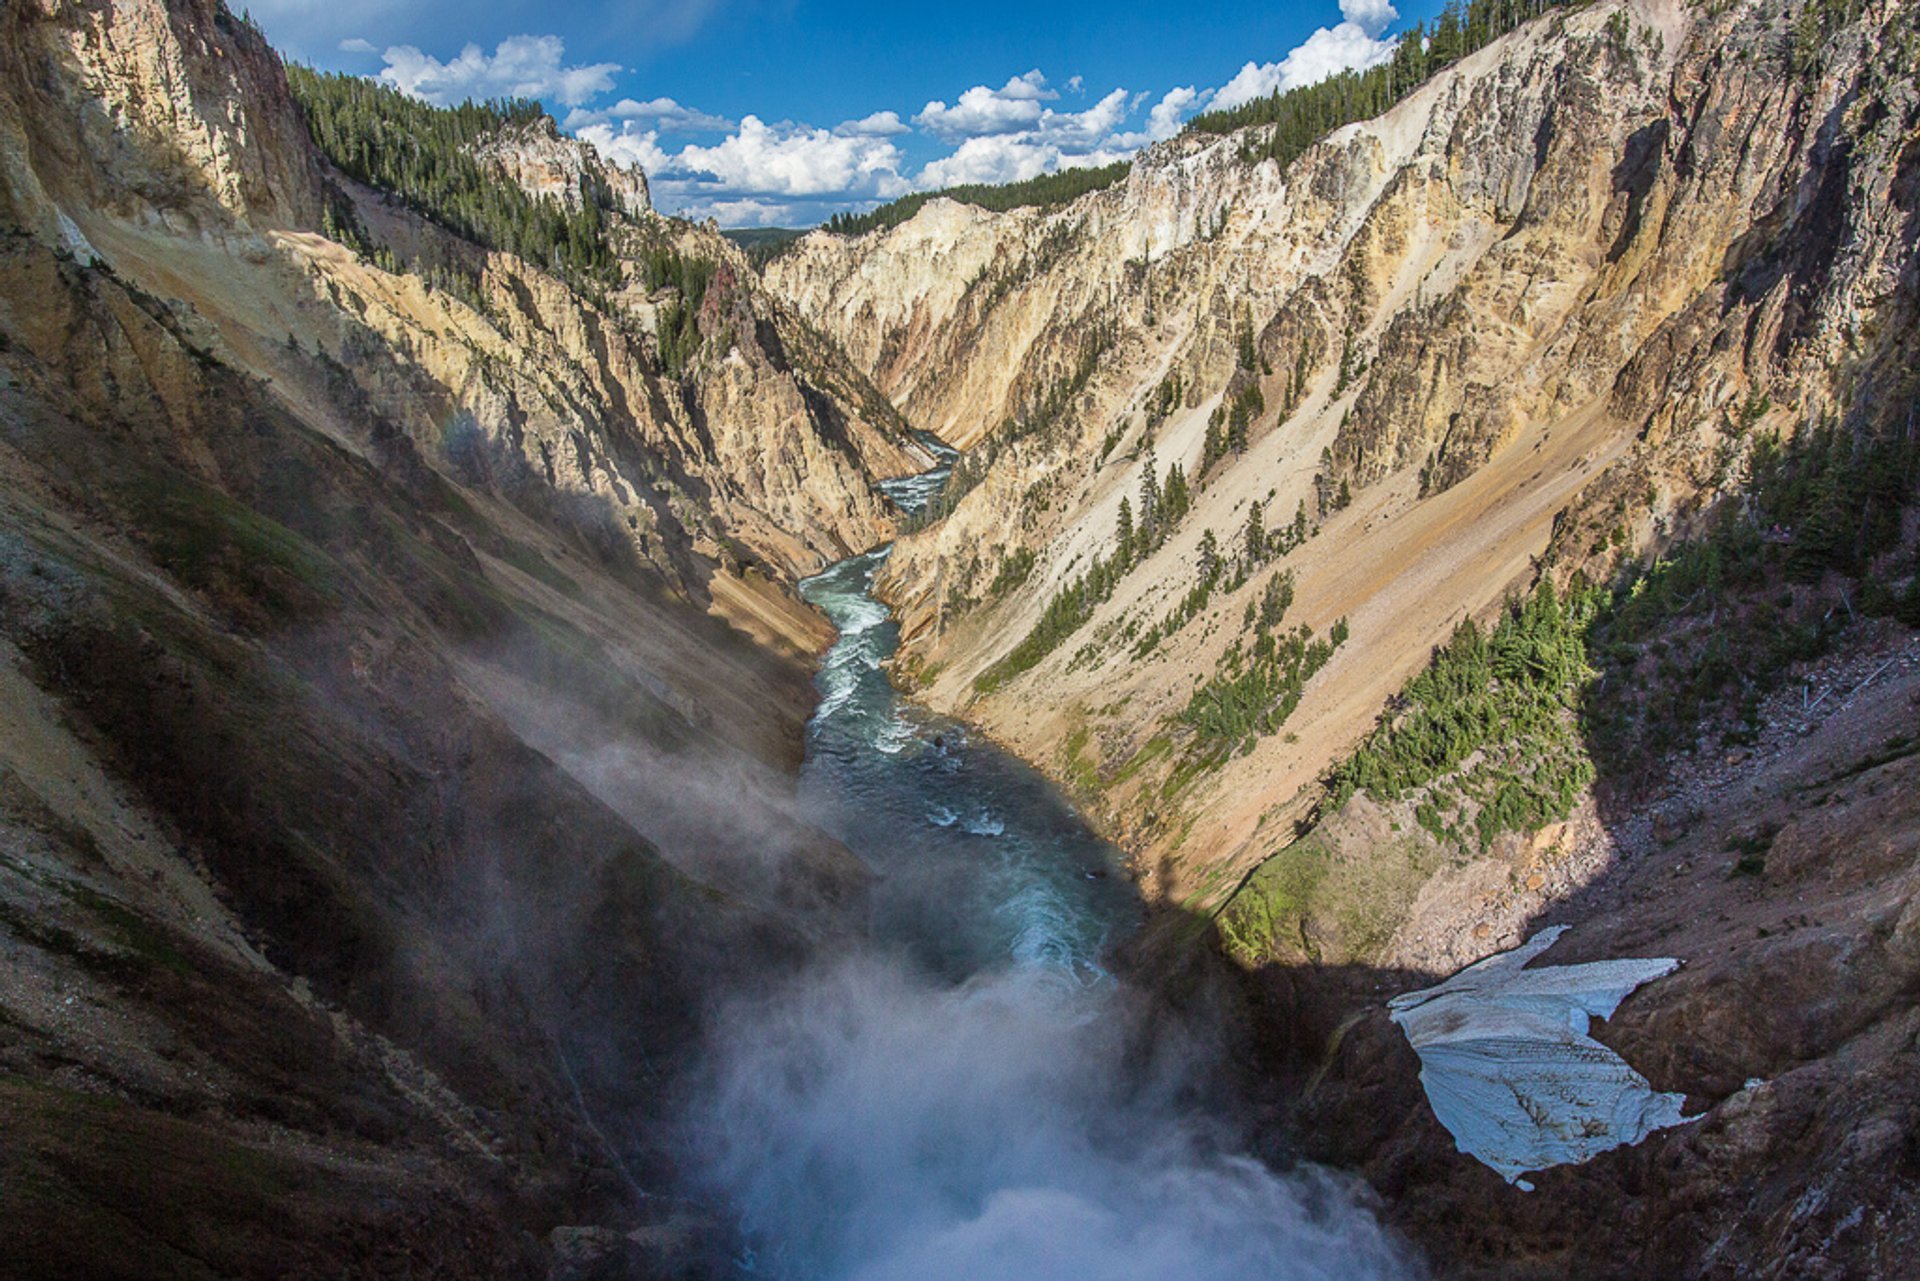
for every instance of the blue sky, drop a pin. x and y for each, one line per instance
(780, 112)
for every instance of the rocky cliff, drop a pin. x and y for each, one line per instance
(1583, 310)
(1532, 294)
(402, 686)
(549, 167)
(166, 144)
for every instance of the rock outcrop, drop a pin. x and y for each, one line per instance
(549, 167)
(382, 803)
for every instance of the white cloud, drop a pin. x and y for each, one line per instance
(1171, 111)
(1354, 44)
(520, 67)
(998, 158)
(749, 211)
(1167, 118)
(759, 161)
(1013, 107)
(1048, 140)
(628, 146)
(1081, 130)
(795, 160)
(660, 114)
(1031, 86)
(355, 44)
(881, 124)
(1371, 16)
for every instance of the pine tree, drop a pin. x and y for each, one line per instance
(1237, 427)
(1255, 538)
(1149, 502)
(424, 155)
(1214, 447)
(1177, 498)
(1276, 600)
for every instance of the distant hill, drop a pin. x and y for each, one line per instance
(763, 244)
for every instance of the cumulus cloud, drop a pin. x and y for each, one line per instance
(795, 160)
(981, 111)
(747, 212)
(761, 174)
(1011, 159)
(662, 115)
(1042, 140)
(1171, 111)
(881, 124)
(520, 67)
(1354, 44)
(1083, 130)
(1166, 118)
(1002, 158)
(628, 146)
(1371, 16)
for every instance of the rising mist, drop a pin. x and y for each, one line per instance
(868, 1124)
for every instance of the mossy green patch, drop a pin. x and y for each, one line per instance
(1082, 772)
(1153, 749)
(1312, 902)
(131, 930)
(210, 542)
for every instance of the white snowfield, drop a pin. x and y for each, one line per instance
(1510, 1070)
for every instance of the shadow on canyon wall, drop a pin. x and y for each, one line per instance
(432, 1007)
(1786, 878)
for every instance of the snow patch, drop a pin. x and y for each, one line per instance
(1508, 1066)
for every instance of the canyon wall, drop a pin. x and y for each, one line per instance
(1530, 299)
(1541, 324)
(403, 685)
(165, 141)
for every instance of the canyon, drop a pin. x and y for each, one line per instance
(1527, 325)
(413, 759)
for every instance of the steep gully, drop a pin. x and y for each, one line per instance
(973, 1093)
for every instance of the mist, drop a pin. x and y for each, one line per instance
(953, 1086)
(870, 1123)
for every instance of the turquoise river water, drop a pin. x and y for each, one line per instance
(966, 1097)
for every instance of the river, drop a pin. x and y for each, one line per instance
(967, 1096)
